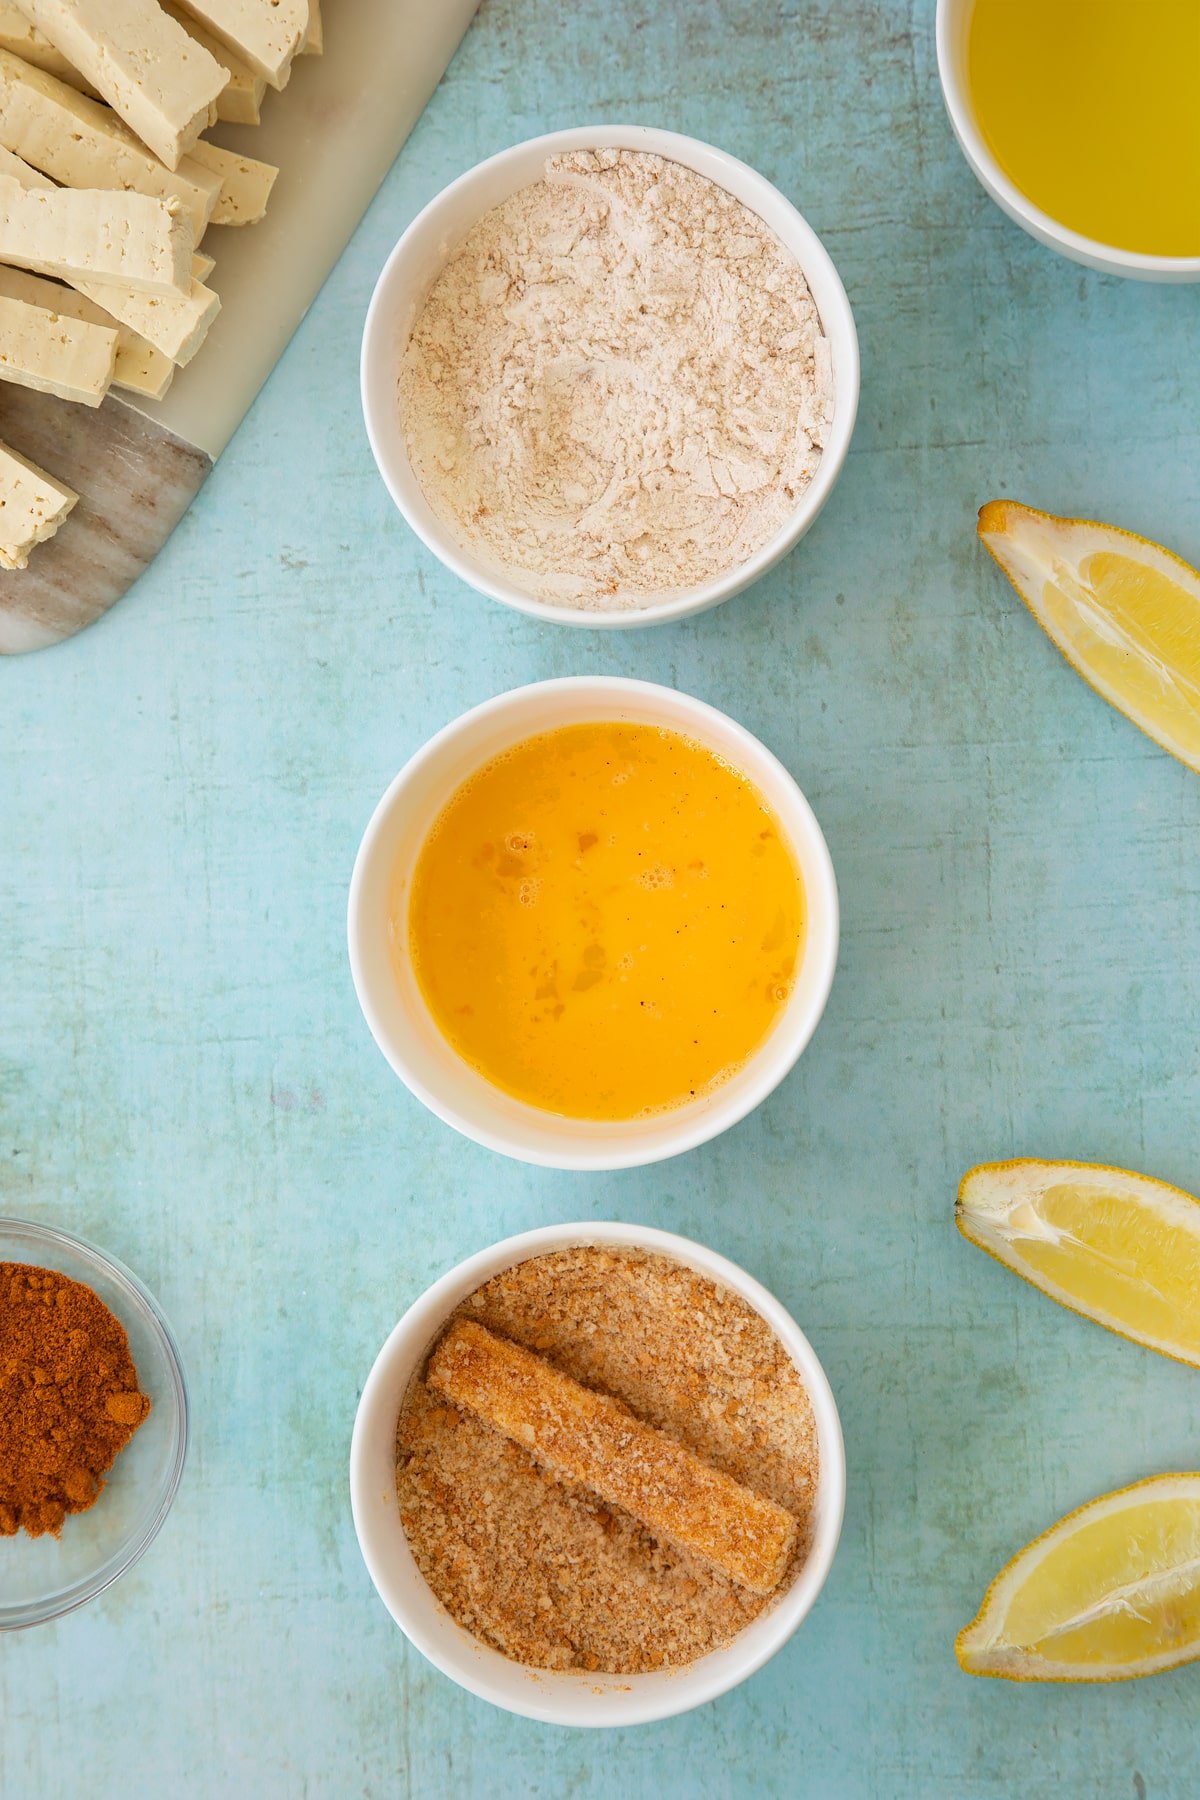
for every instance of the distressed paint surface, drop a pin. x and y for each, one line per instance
(184, 1074)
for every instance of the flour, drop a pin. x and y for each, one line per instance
(618, 386)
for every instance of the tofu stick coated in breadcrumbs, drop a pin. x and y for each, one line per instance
(590, 1438)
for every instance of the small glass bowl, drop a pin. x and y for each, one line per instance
(43, 1577)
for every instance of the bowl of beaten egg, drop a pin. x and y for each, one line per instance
(593, 923)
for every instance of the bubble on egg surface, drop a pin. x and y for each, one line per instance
(657, 877)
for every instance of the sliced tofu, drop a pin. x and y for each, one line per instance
(132, 239)
(32, 507)
(83, 144)
(139, 367)
(266, 33)
(176, 326)
(314, 43)
(19, 170)
(240, 101)
(202, 266)
(22, 39)
(55, 354)
(162, 82)
(245, 184)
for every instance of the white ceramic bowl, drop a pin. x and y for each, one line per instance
(570, 1698)
(953, 26)
(421, 254)
(394, 1007)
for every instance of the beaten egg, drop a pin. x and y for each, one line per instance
(605, 921)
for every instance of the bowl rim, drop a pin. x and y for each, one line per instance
(774, 1058)
(89, 1587)
(378, 399)
(951, 18)
(687, 1687)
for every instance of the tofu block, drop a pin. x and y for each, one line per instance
(83, 144)
(55, 354)
(162, 82)
(314, 43)
(590, 1437)
(177, 326)
(139, 367)
(22, 39)
(245, 184)
(132, 239)
(32, 507)
(265, 33)
(20, 171)
(240, 101)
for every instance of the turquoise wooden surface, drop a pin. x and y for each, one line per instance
(185, 1077)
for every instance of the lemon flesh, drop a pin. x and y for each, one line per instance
(1123, 611)
(1120, 1248)
(1110, 1592)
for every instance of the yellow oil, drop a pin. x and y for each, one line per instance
(1092, 108)
(605, 921)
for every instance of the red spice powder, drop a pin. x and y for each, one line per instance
(69, 1397)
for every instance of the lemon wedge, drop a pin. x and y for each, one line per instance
(1110, 1592)
(1119, 1248)
(1123, 611)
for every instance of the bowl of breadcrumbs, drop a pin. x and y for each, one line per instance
(597, 1475)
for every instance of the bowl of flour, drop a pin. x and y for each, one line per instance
(610, 376)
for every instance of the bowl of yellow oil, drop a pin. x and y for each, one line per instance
(1081, 118)
(593, 923)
